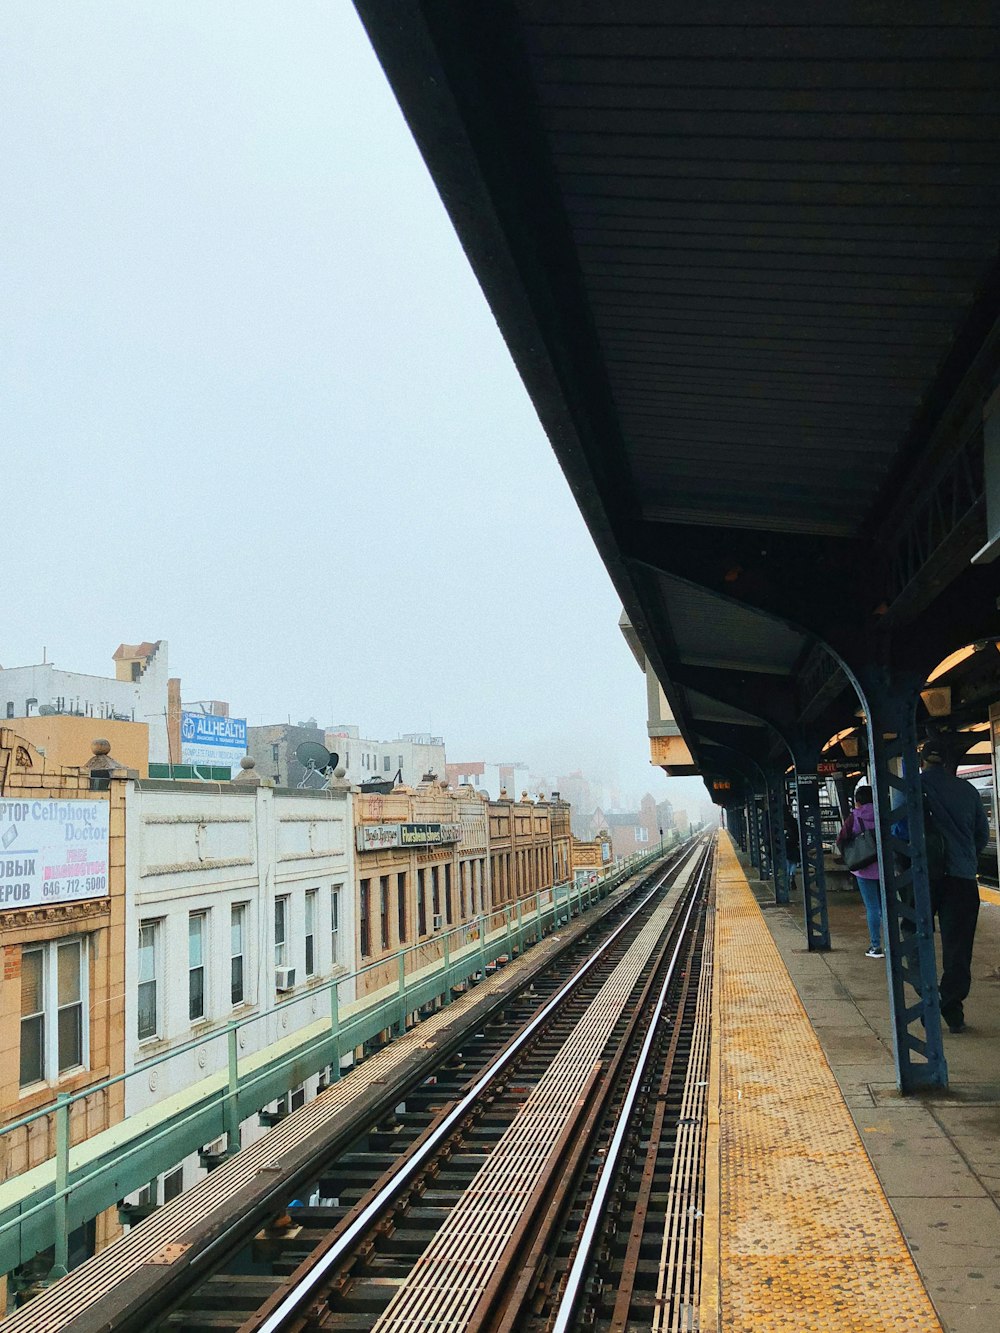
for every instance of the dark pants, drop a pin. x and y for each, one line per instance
(956, 904)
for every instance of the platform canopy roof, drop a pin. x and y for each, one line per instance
(745, 257)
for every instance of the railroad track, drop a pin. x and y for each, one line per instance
(497, 1193)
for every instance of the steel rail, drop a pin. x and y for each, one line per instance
(575, 1278)
(515, 1291)
(293, 1301)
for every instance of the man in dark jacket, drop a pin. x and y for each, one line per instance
(958, 815)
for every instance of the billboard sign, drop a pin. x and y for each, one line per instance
(52, 852)
(215, 742)
(375, 837)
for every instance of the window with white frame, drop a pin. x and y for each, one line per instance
(197, 940)
(334, 922)
(149, 971)
(54, 985)
(237, 952)
(281, 932)
(641, 833)
(310, 932)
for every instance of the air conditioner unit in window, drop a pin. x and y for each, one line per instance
(284, 978)
(437, 921)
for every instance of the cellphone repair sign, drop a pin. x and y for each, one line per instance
(52, 852)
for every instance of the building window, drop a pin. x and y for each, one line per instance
(401, 907)
(364, 919)
(399, 762)
(281, 932)
(196, 965)
(10, 708)
(53, 984)
(435, 891)
(334, 923)
(641, 833)
(275, 756)
(383, 910)
(311, 897)
(173, 1184)
(237, 950)
(149, 970)
(448, 908)
(387, 763)
(297, 1097)
(421, 904)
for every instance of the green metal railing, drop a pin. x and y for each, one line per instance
(60, 1195)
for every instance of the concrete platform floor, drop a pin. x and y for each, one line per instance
(936, 1155)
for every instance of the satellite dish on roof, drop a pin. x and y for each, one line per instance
(317, 760)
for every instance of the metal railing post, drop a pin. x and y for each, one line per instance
(402, 991)
(232, 1112)
(482, 946)
(520, 929)
(506, 913)
(447, 969)
(335, 1030)
(60, 1261)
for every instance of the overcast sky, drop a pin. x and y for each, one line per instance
(253, 401)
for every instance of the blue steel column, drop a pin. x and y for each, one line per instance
(753, 849)
(891, 710)
(763, 834)
(739, 826)
(811, 852)
(776, 815)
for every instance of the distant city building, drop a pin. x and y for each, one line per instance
(273, 749)
(66, 739)
(412, 755)
(634, 830)
(492, 779)
(141, 690)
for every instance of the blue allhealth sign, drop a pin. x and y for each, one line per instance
(216, 741)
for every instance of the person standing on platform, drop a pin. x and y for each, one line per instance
(957, 816)
(862, 820)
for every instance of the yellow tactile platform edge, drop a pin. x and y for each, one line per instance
(806, 1237)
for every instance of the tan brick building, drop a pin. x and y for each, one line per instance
(62, 910)
(523, 855)
(421, 869)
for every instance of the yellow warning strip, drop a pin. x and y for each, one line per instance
(807, 1239)
(989, 895)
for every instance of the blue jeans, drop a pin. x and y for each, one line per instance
(871, 893)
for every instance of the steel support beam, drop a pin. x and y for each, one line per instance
(891, 708)
(776, 816)
(817, 919)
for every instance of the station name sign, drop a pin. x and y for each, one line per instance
(376, 837)
(52, 852)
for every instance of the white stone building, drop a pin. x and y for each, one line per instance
(415, 753)
(137, 693)
(240, 904)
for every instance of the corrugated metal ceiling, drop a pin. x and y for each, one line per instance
(780, 225)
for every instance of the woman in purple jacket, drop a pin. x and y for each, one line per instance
(862, 817)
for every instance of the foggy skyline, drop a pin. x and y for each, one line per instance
(261, 409)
